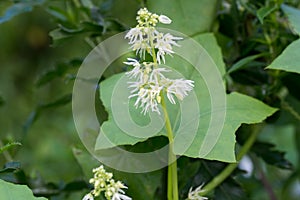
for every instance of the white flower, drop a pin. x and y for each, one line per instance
(118, 193)
(169, 38)
(118, 196)
(149, 83)
(195, 195)
(88, 196)
(136, 71)
(164, 19)
(164, 45)
(179, 88)
(148, 98)
(103, 182)
(134, 35)
(156, 75)
(149, 80)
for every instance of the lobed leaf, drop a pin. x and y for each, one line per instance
(238, 111)
(191, 139)
(183, 14)
(270, 155)
(13, 191)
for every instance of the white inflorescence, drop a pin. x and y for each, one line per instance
(195, 194)
(104, 182)
(149, 82)
(144, 36)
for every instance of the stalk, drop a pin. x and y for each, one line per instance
(172, 163)
(231, 167)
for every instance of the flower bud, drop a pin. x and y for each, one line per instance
(164, 19)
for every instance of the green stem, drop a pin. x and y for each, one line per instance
(286, 106)
(172, 161)
(231, 167)
(4, 148)
(172, 167)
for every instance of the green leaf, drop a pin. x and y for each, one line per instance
(291, 81)
(11, 167)
(187, 169)
(60, 70)
(123, 12)
(118, 130)
(13, 191)
(243, 62)
(209, 43)
(18, 9)
(111, 134)
(293, 16)
(289, 59)
(86, 162)
(59, 13)
(238, 111)
(264, 12)
(40, 108)
(230, 190)
(189, 17)
(59, 36)
(270, 155)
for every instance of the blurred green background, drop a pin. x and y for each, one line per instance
(25, 55)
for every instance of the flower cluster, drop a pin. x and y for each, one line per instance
(150, 83)
(104, 182)
(144, 36)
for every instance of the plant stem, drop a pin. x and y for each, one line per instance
(172, 167)
(231, 167)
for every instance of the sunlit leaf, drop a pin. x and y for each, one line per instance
(12, 191)
(189, 17)
(238, 111)
(289, 59)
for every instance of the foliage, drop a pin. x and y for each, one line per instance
(253, 44)
(11, 191)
